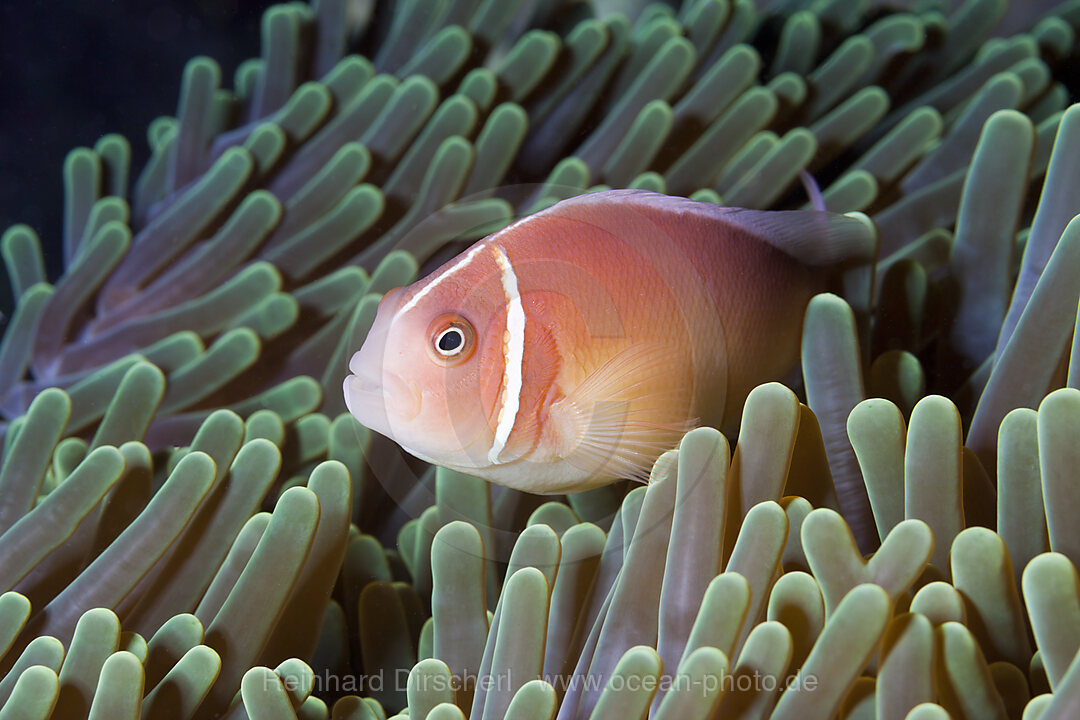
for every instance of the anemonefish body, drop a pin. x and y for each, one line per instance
(576, 345)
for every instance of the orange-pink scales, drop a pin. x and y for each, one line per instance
(574, 346)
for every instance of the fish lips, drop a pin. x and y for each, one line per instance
(381, 404)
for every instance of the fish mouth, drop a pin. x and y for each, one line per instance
(380, 404)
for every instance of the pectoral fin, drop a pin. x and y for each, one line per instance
(625, 414)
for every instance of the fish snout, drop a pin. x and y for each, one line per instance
(364, 399)
(375, 393)
(380, 401)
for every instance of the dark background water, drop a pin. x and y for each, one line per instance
(74, 70)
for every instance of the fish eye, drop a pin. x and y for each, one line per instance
(450, 342)
(452, 338)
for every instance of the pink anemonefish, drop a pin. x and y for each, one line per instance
(576, 345)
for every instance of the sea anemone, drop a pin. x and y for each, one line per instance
(192, 527)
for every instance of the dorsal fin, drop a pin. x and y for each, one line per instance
(810, 236)
(813, 191)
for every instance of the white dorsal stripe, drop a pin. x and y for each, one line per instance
(513, 356)
(435, 281)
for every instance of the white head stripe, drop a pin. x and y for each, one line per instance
(513, 356)
(434, 281)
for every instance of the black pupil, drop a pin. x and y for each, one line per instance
(451, 340)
